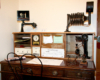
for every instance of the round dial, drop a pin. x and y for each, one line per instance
(36, 38)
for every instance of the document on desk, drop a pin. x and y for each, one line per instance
(47, 39)
(50, 52)
(45, 61)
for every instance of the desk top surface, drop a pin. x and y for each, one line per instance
(64, 64)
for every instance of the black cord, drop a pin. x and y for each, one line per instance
(10, 64)
(20, 78)
(37, 58)
(20, 58)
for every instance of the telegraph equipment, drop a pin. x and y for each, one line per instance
(79, 18)
(24, 16)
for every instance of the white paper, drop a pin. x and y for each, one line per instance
(26, 37)
(36, 51)
(47, 39)
(46, 61)
(48, 52)
(22, 51)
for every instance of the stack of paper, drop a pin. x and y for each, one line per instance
(46, 61)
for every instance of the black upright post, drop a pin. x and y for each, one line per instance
(22, 30)
(85, 49)
(89, 18)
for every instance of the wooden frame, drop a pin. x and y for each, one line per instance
(62, 45)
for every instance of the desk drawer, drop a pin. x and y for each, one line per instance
(73, 74)
(29, 70)
(5, 67)
(36, 70)
(53, 72)
(84, 74)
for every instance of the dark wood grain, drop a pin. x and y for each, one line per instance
(98, 44)
(63, 71)
(67, 70)
(64, 64)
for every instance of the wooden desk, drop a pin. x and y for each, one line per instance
(65, 71)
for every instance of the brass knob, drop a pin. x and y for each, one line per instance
(79, 74)
(29, 70)
(54, 73)
(11, 78)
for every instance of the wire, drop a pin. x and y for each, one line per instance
(37, 58)
(10, 64)
(20, 58)
(20, 78)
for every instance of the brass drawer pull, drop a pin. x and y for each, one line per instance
(11, 78)
(54, 73)
(29, 70)
(78, 74)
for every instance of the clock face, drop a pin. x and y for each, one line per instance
(35, 37)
